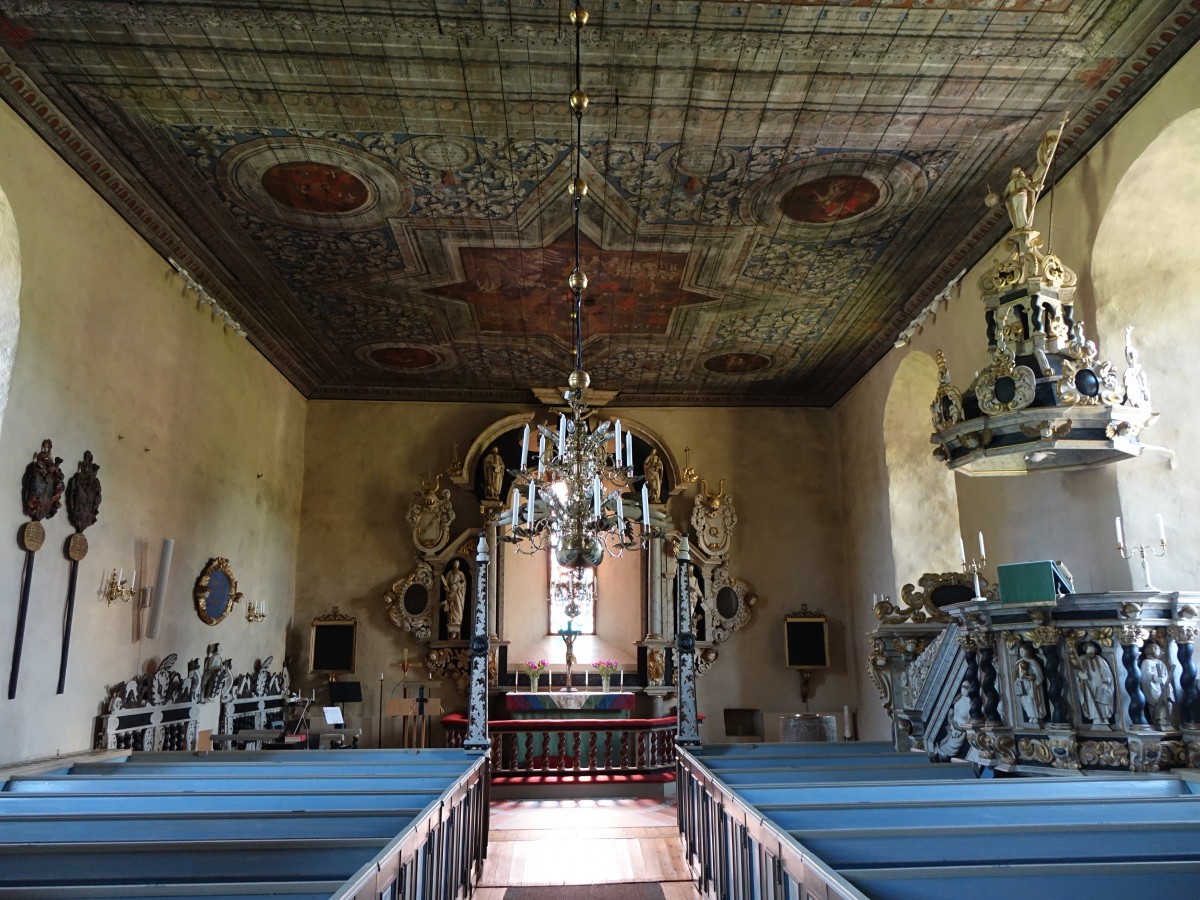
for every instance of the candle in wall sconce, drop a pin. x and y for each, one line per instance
(1162, 530)
(1120, 533)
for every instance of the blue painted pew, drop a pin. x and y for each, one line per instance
(407, 825)
(761, 824)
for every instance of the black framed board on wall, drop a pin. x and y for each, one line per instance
(332, 645)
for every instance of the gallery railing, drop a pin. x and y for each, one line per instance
(527, 747)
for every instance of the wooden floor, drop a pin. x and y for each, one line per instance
(585, 842)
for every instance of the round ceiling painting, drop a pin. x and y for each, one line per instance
(404, 357)
(737, 363)
(314, 184)
(836, 195)
(315, 187)
(830, 198)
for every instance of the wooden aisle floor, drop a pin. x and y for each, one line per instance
(585, 842)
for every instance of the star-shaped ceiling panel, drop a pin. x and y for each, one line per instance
(377, 192)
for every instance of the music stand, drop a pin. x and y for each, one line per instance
(343, 692)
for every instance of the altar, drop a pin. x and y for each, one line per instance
(569, 704)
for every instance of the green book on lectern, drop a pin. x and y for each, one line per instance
(1033, 582)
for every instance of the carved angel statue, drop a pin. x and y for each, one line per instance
(653, 467)
(455, 583)
(493, 474)
(1097, 687)
(1137, 388)
(1022, 191)
(1157, 686)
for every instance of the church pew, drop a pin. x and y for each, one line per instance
(1095, 881)
(766, 796)
(850, 774)
(208, 784)
(278, 832)
(933, 814)
(31, 803)
(784, 763)
(205, 826)
(847, 839)
(165, 861)
(968, 843)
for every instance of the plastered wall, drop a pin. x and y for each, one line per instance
(364, 461)
(1124, 219)
(197, 438)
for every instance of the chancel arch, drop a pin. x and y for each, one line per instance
(922, 496)
(10, 290)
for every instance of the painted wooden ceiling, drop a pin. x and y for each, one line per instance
(376, 190)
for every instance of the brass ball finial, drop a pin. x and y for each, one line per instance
(579, 15)
(579, 380)
(579, 100)
(577, 281)
(578, 187)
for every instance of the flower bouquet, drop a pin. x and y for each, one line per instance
(606, 668)
(534, 669)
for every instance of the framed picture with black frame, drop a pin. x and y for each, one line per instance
(806, 640)
(332, 647)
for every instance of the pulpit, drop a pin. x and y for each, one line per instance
(569, 705)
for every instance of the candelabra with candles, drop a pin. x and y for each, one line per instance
(973, 566)
(1143, 551)
(256, 610)
(117, 588)
(575, 496)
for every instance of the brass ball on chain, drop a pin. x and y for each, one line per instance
(578, 187)
(579, 15)
(577, 281)
(579, 100)
(579, 380)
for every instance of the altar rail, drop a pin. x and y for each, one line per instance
(856, 821)
(368, 825)
(569, 747)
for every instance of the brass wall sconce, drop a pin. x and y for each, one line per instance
(256, 610)
(117, 588)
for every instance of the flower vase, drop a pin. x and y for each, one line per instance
(604, 682)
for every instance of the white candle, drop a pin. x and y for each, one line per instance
(541, 454)
(1162, 530)
(874, 599)
(628, 448)
(529, 511)
(847, 731)
(645, 507)
(982, 552)
(617, 443)
(133, 577)
(516, 500)
(562, 435)
(1120, 533)
(962, 550)
(525, 447)
(596, 492)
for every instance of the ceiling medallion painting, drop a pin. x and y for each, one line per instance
(372, 189)
(836, 195)
(312, 184)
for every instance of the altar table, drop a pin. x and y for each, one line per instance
(569, 704)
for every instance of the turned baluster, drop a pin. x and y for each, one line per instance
(1133, 684)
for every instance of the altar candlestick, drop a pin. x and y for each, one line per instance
(962, 550)
(847, 731)
(525, 447)
(1162, 529)
(982, 552)
(1120, 533)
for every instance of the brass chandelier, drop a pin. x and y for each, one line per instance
(573, 499)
